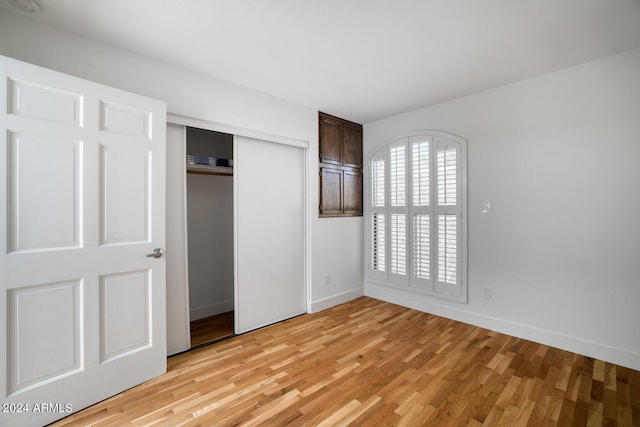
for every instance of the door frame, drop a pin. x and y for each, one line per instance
(180, 313)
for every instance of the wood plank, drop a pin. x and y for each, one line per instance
(211, 328)
(369, 362)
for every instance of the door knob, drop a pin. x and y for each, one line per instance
(157, 253)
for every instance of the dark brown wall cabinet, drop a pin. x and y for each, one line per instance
(340, 167)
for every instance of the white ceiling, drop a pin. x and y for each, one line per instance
(359, 59)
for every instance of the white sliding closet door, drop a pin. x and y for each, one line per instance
(270, 232)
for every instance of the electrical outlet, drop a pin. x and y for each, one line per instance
(327, 278)
(486, 293)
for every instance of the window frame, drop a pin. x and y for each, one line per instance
(432, 286)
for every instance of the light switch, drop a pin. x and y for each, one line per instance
(486, 207)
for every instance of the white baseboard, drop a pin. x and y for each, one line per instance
(576, 345)
(209, 310)
(337, 299)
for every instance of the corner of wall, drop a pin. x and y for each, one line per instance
(333, 300)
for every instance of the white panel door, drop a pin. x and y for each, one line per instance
(270, 232)
(82, 202)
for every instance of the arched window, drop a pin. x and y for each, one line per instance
(415, 215)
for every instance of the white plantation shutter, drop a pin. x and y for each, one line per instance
(420, 178)
(421, 248)
(398, 160)
(377, 217)
(377, 183)
(399, 244)
(416, 208)
(420, 209)
(378, 258)
(447, 175)
(398, 213)
(448, 209)
(448, 249)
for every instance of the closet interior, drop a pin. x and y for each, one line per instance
(210, 235)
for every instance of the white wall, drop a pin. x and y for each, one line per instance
(335, 243)
(210, 243)
(338, 243)
(559, 158)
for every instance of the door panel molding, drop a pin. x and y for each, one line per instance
(34, 324)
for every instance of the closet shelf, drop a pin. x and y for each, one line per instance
(210, 170)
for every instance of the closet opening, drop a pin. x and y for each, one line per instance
(210, 236)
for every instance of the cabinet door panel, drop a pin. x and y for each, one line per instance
(352, 193)
(331, 191)
(330, 140)
(340, 167)
(352, 148)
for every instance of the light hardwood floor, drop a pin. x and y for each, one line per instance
(369, 362)
(211, 329)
